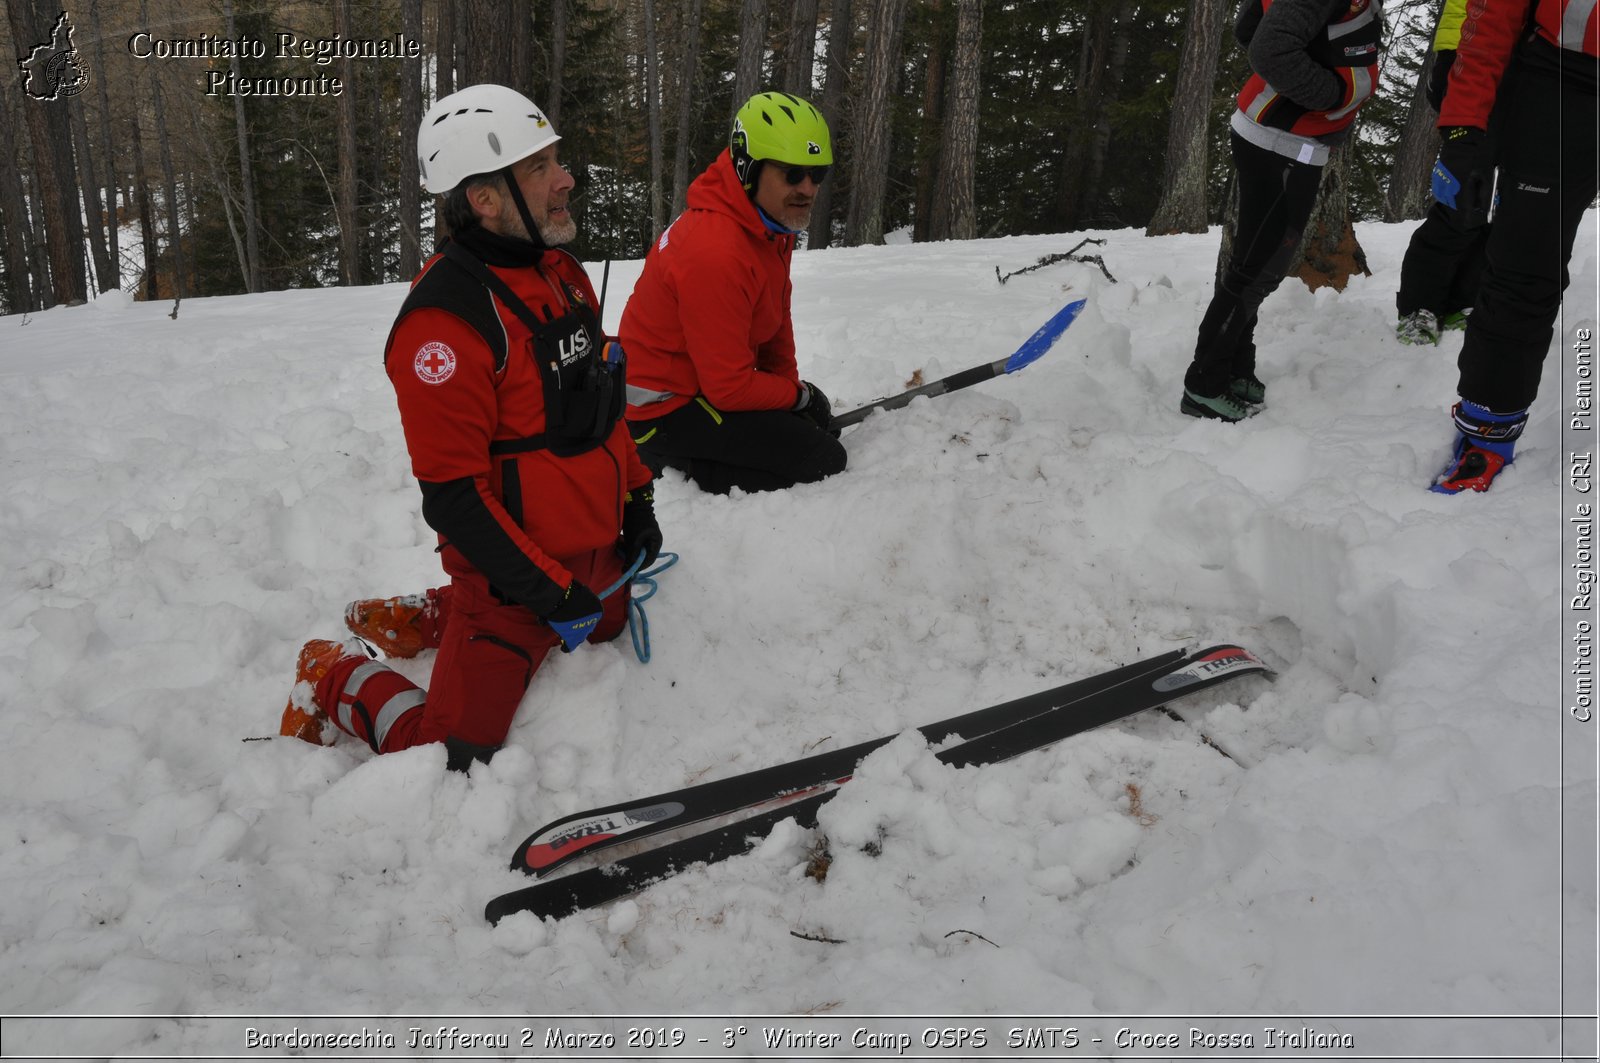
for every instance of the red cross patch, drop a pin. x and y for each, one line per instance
(435, 363)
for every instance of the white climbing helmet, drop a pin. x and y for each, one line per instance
(481, 129)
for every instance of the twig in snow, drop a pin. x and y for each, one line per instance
(970, 933)
(1067, 256)
(815, 937)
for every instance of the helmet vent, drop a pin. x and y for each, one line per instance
(788, 112)
(494, 143)
(765, 117)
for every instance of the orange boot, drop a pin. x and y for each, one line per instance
(303, 718)
(402, 626)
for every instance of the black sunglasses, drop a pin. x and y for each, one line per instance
(795, 174)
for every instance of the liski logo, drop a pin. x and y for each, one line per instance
(574, 347)
(53, 69)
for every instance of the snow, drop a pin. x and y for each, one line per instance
(187, 501)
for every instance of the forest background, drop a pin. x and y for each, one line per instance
(952, 119)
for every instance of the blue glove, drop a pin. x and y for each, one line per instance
(1463, 176)
(575, 617)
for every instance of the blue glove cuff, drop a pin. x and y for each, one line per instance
(1445, 184)
(574, 633)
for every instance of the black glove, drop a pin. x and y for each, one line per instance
(813, 405)
(1463, 177)
(640, 532)
(575, 617)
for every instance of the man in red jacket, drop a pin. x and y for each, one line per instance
(510, 399)
(713, 389)
(1539, 58)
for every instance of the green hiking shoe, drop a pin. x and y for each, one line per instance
(1222, 407)
(1418, 328)
(1248, 389)
(1455, 320)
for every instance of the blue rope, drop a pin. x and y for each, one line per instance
(638, 622)
(624, 578)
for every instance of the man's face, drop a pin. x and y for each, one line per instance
(788, 205)
(545, 184)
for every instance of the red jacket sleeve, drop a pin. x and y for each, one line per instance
(1488, 36)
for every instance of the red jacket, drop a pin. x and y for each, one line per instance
(1489, 36)
(710, 314)
(506, 506)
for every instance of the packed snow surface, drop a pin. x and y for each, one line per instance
(186, 501)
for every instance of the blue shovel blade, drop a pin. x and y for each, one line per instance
(1045, 338)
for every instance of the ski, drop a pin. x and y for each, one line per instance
(1142, 686)
(584, 833)
(1031, 350)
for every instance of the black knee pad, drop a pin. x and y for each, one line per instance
(459, 755)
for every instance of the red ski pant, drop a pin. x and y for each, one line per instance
(488, 653)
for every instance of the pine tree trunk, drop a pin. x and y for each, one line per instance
(752, 49)
(147, 213)
(1183, 199)
(444, 49)
(841, 32)
(1088, 115)
(955, 214)
(652, 102)
(50, 136)
(1410, 188)
(38, 247)
(483, 51)
(349, 159)
(374, 163)
(1330, 253)
(519, 60)
(1100, 143)
(930, 126)
(688, 65)
(108, 155)
(169, 184)
(558, 61)
(410, 118)
(869, 170)
(247, 208)
(23, 283)
(800, 48)
(92, 207)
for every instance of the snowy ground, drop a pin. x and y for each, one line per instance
(187, 501)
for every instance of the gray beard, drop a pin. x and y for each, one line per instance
(554, 234)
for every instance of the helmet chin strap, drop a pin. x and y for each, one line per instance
(522, 209)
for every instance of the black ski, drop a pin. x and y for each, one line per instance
(1141, 686)
(587, 832)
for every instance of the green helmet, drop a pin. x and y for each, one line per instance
(778, 127)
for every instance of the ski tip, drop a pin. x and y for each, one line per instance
(1210, 664)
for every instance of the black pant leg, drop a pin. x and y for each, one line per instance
(1276, 195)
(1547, 180)
(753, 450)
(1441, 266)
